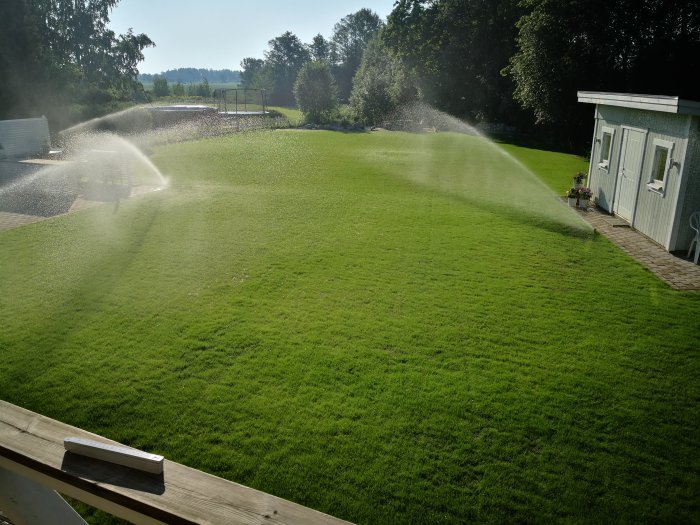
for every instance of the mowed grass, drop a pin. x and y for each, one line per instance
(292, 114)
(372, 325)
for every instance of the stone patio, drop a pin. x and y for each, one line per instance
(10, 220)
(677, 271)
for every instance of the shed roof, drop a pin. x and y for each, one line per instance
(661, 103)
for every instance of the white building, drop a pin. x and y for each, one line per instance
(25, 137)
(645, 162)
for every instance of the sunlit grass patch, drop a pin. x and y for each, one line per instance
(369, 324)
(555, 169)
(294, 115)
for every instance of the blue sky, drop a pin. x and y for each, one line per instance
(218, 34)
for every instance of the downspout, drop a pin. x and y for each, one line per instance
(683, 177)
(596, 119)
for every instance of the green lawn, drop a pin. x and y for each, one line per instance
(387, 327)
(292, 114)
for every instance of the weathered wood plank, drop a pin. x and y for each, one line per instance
(32, 445)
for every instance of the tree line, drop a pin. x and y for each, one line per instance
(61, 60)
(287, 54)
(162, 89)
(191, 75)
(515, 62)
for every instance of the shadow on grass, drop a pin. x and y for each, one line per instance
(79, 302)
(529, 217)
(330, 127)
(541, 143)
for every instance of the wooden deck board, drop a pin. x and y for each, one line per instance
(32, 445)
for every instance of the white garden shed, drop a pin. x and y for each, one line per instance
(25, 137)
(645, 162)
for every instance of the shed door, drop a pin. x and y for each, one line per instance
(631, 154)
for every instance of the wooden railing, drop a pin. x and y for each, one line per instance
(34, 466)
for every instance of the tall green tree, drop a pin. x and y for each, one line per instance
(78, 40)
(179, 89)
(160, 86)
(24, 66)
(350, 38)
(203, 89)
(638, 46)
(381, 85)
(457, 49)
(315, 91)
(63, 52)
(284, 58)
(251, 69)
(320, 49)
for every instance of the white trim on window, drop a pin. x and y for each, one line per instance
(661, 162)
(606, 145)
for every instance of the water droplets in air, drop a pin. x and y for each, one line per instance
(479, 170)
(94, 168)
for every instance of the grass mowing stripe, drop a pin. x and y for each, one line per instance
(366, 324)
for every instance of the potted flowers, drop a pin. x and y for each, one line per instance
(579, 197)
(584, 197)
(578, 179)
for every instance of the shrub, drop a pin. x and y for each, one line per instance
(160, 86)
(315, 90)
(381, 84)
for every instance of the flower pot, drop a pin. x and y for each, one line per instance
(583, 203)
(572, 201)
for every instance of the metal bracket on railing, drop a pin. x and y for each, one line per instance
(26, 502)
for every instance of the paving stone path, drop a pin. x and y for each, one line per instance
(677, 271)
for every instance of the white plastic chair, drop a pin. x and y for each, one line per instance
(695, 226)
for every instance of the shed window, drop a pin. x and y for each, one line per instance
(606, 142)
(660, 164)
